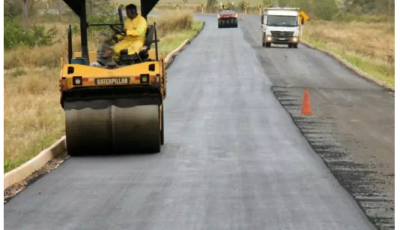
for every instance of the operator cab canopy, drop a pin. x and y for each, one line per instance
(79, 8)
(78, 5)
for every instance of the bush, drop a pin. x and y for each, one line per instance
(325, 9)
(104, 14)
(12, 8)
(15, 35)
(104, 17)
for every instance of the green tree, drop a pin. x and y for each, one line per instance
(325, 9)
(212, 3)
(12, 8)
(240, 5)
(369, 6)
(269, 3)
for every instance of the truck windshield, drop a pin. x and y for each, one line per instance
(273, 20)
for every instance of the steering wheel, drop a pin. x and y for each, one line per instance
(117, 30)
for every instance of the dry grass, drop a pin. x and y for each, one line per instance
(369, 46)
(32, 114)
(40, 56)
(170, 22)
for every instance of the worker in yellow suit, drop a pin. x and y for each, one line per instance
(135, 27)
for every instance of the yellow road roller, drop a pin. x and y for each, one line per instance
(115, 106)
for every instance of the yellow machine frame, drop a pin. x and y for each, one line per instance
(81, 82)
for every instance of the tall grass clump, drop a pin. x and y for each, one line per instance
(33, 118)
(171, 22)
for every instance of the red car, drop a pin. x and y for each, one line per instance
(227, 19)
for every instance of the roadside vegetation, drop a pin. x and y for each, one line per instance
(33, 118)
(360, 31)
(367, 45)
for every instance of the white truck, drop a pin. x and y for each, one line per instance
(281, 25)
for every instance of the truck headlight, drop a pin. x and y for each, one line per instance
(269, 38)
(295, 39)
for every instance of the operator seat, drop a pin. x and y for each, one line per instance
(143, 54)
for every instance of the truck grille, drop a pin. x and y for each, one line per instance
(282, 33)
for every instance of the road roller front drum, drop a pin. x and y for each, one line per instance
(112, 129)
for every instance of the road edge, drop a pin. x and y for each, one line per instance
(20, 173)
(180, 48)
(351, 66)
(24, 171)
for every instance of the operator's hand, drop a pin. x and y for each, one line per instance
(119, 37)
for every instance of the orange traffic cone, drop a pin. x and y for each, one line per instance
(306, 109)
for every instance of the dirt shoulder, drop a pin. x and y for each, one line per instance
(353, 132)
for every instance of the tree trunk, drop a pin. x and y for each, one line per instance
(59, 9)
(390, 8)
(25, 13)
(90, 7)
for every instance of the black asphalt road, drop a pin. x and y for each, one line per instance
(232, 159)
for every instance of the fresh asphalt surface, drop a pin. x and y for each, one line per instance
(232, 159)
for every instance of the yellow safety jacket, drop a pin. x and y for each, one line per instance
(135, 29)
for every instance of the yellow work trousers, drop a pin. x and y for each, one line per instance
(132, 46)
